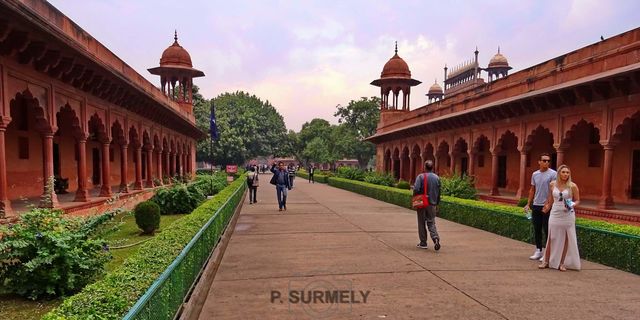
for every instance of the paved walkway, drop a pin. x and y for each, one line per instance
(331, 239)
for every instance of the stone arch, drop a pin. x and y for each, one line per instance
(428, 152)
(581, 150)
(508, 161)
(387, 161)
(481, 164)
(65, 150)
(539, 141)
(26, 136)
(625, 159)
(416, 160)
(443, 159)
(95, 150)
(120, 150)
(460, 156)
(404, 163)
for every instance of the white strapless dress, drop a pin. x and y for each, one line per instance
(562, 226)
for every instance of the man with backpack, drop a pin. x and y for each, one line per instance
(252, 184)
(428, 183)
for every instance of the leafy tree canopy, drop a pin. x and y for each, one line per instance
(248, 127)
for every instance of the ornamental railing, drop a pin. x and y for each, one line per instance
(165, 296)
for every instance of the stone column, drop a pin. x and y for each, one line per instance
(124, 168)
(452, 167)
(138, 184)
(472, 163)
(606, 200)
(159, 165)
(523, 174)
(5, 204)
(401, 175)
(167, 170)
(149, 182)
(49, 199)
(494, 174)
(174, 166)
(393, 167)
(105, 191)
(411, 169)
(82, 194)
(559, 155)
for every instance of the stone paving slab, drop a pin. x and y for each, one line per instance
(331, 238)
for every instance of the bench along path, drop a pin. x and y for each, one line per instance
(335, 241)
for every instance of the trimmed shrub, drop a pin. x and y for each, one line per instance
(47, 255)
(147, 215)
(350, 173)
(383, 179)
(459, 187)
(211, 184)
(610, 244)
(113, 296)
(317, 177)
(522, 202)
(403, 185)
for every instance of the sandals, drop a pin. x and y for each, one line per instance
(543, 265)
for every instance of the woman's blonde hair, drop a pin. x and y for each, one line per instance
(570, 183)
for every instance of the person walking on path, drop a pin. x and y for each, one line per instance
(252, 183)
(562, 245)
(538, 195)
(281, 180)
(311, 172)
(428, 214)
(292, 174)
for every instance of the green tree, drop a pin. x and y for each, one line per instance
(362, 118)
(317, 151)
(248, 127)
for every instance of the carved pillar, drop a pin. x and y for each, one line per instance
(105, 191)
(559, 154)
(472, 163)
(452, 167)
(124, 168)
(138, 154)
(174, 166)
(523, 174)
(606, 200)
(5, 204)
(82, 194)
(411, 170)
(167, 168)
(49, 199)
(159, 164)
(494, 174)
(149, 182)
(401, 175)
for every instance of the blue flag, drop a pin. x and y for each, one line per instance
(213, 127)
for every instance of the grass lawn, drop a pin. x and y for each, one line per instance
(122, 231)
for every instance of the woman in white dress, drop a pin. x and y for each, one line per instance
(562, 246)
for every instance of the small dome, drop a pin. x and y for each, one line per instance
(498, 60)
(435, 89)
(396, 67)
(175, 55)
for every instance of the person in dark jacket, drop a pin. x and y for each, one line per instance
(311, 171)
(281, 180)
(428, 214)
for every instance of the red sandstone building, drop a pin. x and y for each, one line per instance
(582, 107)
(72, 109)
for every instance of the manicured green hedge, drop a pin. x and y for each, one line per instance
(610, 244)
(317, 177)
(113, 296)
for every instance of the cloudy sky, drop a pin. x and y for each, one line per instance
(306, 57)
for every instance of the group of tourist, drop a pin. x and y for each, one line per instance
(552, 201)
